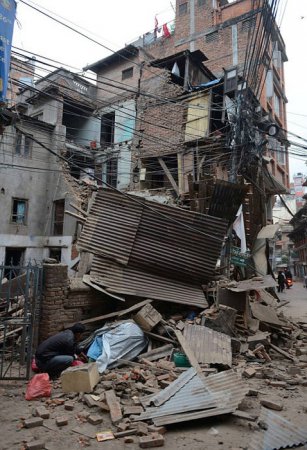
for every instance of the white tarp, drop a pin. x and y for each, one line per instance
(121, 340)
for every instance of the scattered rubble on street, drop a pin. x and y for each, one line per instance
(243, 373)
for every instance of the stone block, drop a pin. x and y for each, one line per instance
(69, 406)
(272, 405)
(129, 410)
(35, 445)
(61, 421)
(80, 378)
(33, 422)
(249, 372)
(153, 440)
(42, 412)
(94, 419)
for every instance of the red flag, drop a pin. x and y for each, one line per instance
(166, 32)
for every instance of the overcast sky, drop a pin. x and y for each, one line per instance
(118, 22)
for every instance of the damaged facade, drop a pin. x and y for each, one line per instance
(36, 186)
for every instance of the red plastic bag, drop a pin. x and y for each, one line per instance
(34, 366)
(77, 362)
(38, 386)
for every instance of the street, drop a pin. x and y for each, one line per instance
(297, 306)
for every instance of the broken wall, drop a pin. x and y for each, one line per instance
(65, 301)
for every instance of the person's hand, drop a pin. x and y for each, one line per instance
(83, 357)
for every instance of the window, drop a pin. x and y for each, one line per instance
(231, 80)
(201, 2)
(107, 129)
(112, 167)
(277, 61)
(277, 106)
(23, 145)
(281, 154)
(183, 9)
(55, 253)
(19, 211)
(58, 217)
(269, 84)
(127, 73)
(212, 37)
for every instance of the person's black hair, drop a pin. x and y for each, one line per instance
(78, 328)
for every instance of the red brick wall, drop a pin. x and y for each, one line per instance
(62, 304)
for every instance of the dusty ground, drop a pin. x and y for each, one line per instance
(232, 433)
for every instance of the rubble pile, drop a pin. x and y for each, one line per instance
(238, 359)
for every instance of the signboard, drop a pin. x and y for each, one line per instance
(237, 258)
(7, 18)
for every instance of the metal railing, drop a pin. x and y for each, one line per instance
(20, 294)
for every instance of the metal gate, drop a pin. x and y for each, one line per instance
(20, 294)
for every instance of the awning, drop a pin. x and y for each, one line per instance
(272, 185)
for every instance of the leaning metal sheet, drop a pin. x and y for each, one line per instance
(209, 346)
(280, 433)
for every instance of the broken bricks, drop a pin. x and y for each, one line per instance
(152, 440)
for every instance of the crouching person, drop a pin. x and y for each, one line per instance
(58, 352)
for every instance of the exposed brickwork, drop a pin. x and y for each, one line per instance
(155, 117)
(62, 303)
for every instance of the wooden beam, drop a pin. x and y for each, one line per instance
(169, 175)
(76, 216)
(78, 209)
(116, 313)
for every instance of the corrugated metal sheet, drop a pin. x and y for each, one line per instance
(188, 397)
(147, 239)
(226, 199)
(128, 281)
(209, 346)
(280, 433)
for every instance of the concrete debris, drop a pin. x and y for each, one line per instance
(235, 365)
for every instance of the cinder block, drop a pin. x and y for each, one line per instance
(153, 440)
(80, 378)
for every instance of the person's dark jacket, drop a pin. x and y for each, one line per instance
(60, 344)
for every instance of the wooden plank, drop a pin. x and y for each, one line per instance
(78, 209)
(114, 405)
(117, 313)
(282, 352)
(76, 216)
(169, 175)
(160, 338)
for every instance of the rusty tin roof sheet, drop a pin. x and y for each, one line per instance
(209, 346)
(280, 433)
(188, 398)
(150, 240)
(129, 281)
